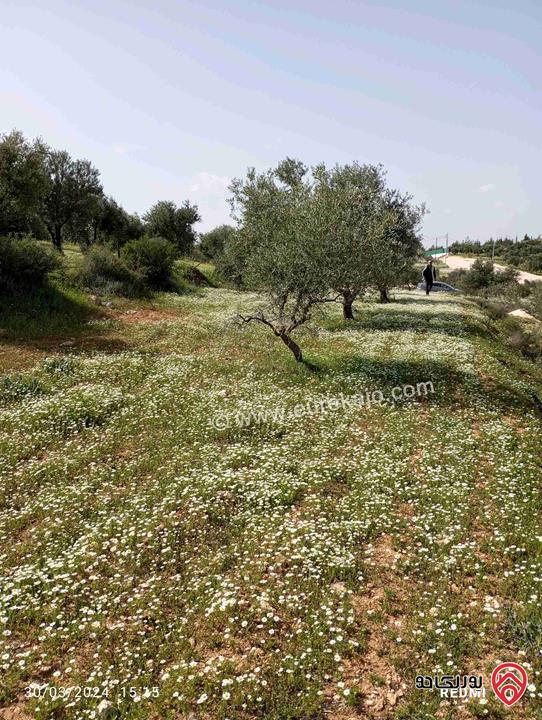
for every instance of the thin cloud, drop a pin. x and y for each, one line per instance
(486, 188)
(210, 184)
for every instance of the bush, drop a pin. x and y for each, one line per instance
(482, 279)
(104, 272)
(481, 275)
(495, 309)
(527, 340)
(456, 278)
(152, 258)
(194, 276)
(412, 276)
(20, 386)
(24, 264)
(212, 243)
(231, 263)
(536, 299)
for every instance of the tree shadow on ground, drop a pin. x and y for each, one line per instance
(429, 381)
(453, 388)
(52, 319)
(420, 299)
(446, 323)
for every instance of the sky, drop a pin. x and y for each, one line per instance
(172, 99)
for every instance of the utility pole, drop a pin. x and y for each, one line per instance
(446, 243)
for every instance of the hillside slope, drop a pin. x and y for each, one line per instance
(187, 513)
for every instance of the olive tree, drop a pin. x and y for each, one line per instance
(23, 178)
(371, 231)
(113, 225)
(173, 223)
(282, 246)
(394, 241)
(73, 191)
(348, 197)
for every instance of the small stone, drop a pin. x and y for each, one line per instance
(392, 698)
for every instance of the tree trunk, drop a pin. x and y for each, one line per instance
(291, 345)
(348, 300)
(384, 297)
(57, 237)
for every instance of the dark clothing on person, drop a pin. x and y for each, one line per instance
(429, 275)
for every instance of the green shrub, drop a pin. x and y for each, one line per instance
(105, 273)
(527, 340)
(412, 276)
(194, 276)
(24, 264)
(480, 275)
(482, 279)
(536, 299)
(496, 309)
(231, 262)
(457, 278)
(212, 243)
(152, 258)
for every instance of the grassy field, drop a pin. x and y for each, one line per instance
(190, 527)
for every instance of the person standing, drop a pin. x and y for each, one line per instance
(429, 275)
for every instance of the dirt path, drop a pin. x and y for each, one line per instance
(456, 262)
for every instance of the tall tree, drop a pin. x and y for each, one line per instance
(116, 226)
(349, 196)
(73, 190)
(394, 241)
(111, 224)
(284, 255)
(173, 223)
(23, 180)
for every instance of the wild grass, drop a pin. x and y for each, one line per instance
(308, 567)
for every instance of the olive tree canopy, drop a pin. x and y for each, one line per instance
(23, 178)
(395, 243)
(348, 196)
(173, 223)
(73, 192)
(282, 245)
